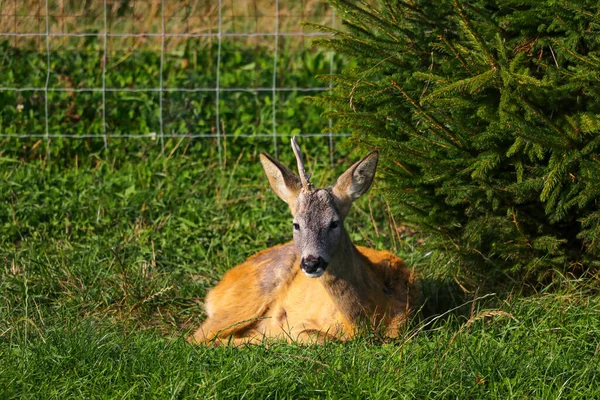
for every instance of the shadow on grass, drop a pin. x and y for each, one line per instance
(444, 299)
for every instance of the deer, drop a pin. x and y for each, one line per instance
(319, 286)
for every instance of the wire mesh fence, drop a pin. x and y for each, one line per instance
(162, 68)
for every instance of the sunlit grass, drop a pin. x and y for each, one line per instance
(107, 257)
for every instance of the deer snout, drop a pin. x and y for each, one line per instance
(313, 266)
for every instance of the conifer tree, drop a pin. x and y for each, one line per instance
(487, 113)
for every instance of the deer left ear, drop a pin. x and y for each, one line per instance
(356, 180)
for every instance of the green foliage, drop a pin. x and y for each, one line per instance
(106, 258)
(541, 348)
(488, 115)
(76, 111)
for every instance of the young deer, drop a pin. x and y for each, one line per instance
(341, 287)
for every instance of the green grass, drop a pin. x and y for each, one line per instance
(192, 65)
(106, 258)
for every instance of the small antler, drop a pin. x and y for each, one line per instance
(304, 177)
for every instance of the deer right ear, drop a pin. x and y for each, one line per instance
(355, 181)
(284, 182)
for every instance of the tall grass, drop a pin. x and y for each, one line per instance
(146, 16)
(107, 257)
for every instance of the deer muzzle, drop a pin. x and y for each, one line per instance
(313, 266)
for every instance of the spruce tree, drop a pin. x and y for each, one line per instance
(487, 114)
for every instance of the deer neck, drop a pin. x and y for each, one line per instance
(348, 281)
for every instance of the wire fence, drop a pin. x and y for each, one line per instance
(163, 68)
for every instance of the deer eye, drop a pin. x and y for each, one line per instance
(296, 226)
(334, 224)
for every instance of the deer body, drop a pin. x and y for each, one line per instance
(318, 287)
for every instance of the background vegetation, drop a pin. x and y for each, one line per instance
(105, 256)
(139, 62)
(488, 114)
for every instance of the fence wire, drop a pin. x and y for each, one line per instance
(168, 28)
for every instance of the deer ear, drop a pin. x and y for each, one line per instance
(355, 181)
(284, 182)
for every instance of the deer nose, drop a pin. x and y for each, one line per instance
(313, 266)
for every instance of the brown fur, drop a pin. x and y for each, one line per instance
(244, 308)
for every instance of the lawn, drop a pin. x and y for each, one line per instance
(107, 255)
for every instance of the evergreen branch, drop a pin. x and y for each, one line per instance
(371, 38)
(377, 54)
(524, 238)
(516, 146)
(399, 164)
(384, 25)
(415, 133)
(462, 62)
(367, 13)
(474, 84)
(483, 164)
(591, 16)
(547, 120)
(559, 162)
(364, 75)
(410, 5)
(362, 117)
(530, 135)
(486, 16)
(475, 35)
(452, 103)
(427, 76)
(523, 80)
(591, 146)
(426, 114)
(413, 154)
(336, 32)
(392, 13)
(578, 57)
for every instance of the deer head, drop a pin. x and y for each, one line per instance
(319, 214)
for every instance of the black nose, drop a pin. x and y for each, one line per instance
(311, 264)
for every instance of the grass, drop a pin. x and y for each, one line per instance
(106, 258)
(76, 110)
(136, 17)
(77, 69)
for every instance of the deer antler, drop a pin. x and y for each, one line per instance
(304, 177)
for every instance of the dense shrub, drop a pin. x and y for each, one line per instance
(488, 116)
